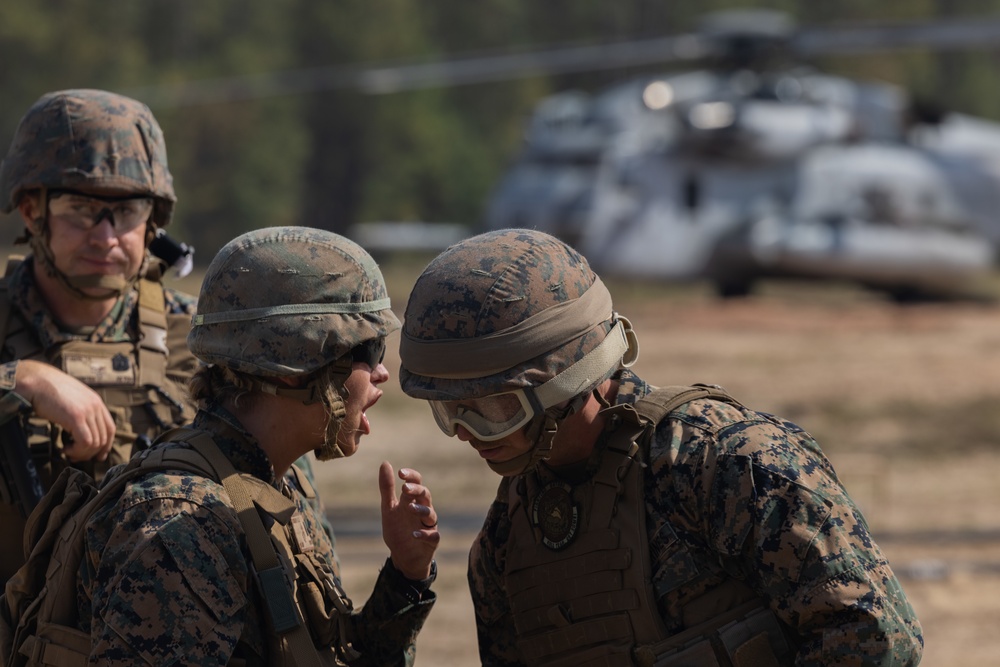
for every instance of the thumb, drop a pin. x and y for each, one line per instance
(387, 485)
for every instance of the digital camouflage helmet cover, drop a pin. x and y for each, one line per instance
(284, 301)
(95, 142)
(91, 140)
(513, 312)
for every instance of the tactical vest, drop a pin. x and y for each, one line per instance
(577, 572)
(131, 378)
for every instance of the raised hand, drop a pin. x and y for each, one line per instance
(409, 522)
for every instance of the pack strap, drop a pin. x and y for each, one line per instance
(5, 304)
(152, 345)
(276, 589)
(660, 402)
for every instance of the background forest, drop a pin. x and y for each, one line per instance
(331, 158)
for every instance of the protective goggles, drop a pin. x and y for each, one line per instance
(487, 418)
(499, 415)
(85, 212)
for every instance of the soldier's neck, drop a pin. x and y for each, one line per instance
(69, 310)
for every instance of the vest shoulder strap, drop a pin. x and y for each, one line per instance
(152, 346)
(639, 420)
(660, 402)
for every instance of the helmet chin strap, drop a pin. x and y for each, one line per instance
(112, 286)
(542, 432)
(330, 449)
(309, 393)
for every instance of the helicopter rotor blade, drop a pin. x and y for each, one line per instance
(392, 78)
(385, 78)
(960, 33)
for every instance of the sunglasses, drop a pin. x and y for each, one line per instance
(371, 352)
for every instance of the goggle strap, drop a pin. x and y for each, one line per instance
(584, 373)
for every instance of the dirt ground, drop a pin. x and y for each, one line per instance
(902, 398)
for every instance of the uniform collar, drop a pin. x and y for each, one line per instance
(24, 295)
(239, 446)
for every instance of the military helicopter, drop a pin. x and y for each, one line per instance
(751, 168)
(748, 165)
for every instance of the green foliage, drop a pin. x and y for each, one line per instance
(336, 157)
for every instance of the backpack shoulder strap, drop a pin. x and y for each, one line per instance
(660, 402)
(637, 421)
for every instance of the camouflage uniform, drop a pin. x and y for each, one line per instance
(166, 577)
(773, 515)
(737, 509)
(92, 139)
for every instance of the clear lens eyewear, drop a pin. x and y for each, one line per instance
(488, 418)
(85, 212)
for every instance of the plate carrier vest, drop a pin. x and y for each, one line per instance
(131, 377)
(577, 571)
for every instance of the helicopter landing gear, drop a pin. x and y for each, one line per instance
(734, 288)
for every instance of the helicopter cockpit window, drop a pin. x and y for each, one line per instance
(881, 207)
(692, 192)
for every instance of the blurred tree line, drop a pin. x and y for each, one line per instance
(330, 158)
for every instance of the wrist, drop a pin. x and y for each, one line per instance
(412, 590)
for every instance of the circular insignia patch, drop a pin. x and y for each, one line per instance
(555, 515)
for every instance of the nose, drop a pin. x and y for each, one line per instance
(462, 433)
(380, 374)
(103, 233)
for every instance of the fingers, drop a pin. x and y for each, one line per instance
(90, 435)
(387, 486)
(78, 409)
(409, 524)
(417, 497)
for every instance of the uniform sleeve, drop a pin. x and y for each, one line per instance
(494, 622)
(169, 586)
(11, 403)
(777, 513)
(384, 631)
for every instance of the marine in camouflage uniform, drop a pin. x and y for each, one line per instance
(93, 352)
(168, 575)
(634, 525)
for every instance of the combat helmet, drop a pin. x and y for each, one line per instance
(284, 301)
(290, 301)
(90, 139)
(517, 314)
